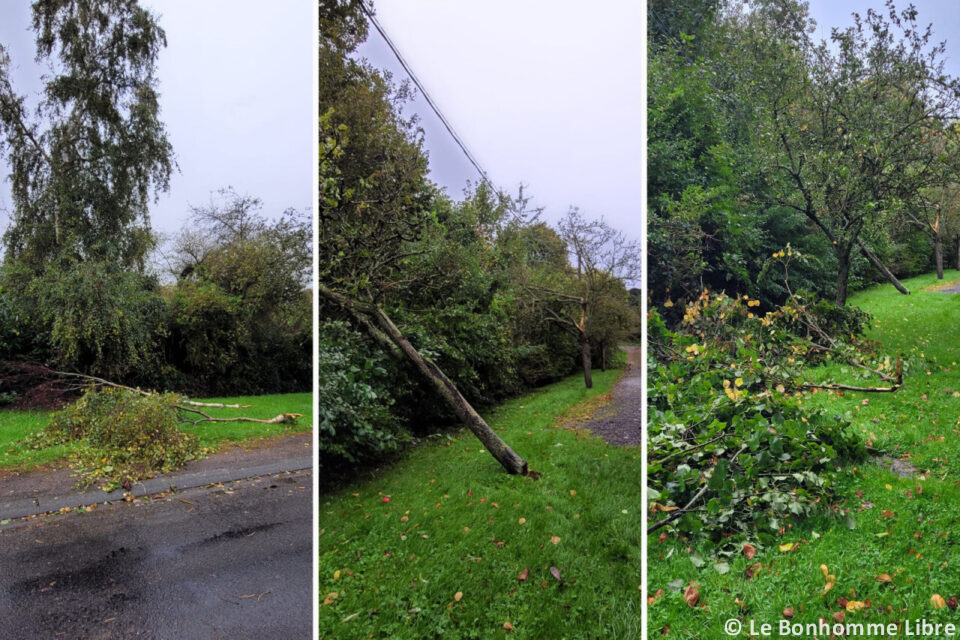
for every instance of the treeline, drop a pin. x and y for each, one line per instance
(490, 295)
(762, 137)
(79, 290)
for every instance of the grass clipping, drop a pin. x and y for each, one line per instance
(121, 436)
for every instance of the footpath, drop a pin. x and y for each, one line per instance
(44, 491)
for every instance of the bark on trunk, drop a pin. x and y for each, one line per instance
(440, 382)
(843, 275)
(938, 253)
(958, 252)
(875, 261)
(587, 368)
(603, 356)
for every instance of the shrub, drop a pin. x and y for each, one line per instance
(354, 423)
(92, 317)
(122, 436)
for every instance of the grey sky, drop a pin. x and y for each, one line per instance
(544, 92)
(236, 85)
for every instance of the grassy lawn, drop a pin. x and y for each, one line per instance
(905, 529)
(16, 425)
(455, 523)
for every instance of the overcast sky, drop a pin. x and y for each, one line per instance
(941, 13)
(236, 94)
(544, 92)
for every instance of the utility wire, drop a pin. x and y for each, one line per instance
(433, 105)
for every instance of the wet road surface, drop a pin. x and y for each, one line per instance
(232, 561)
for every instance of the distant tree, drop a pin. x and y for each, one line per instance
(604, 260)
(239, 312)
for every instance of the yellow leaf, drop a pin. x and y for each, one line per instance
(788, 546)
(659, 507)
(336, 574)
(652, 599)
(457, 596)
(937, 601)
(522, 520)
(333, 595)
(889, 488)
(828, 579)
(508, 626)
(668, 303)
(555, 539)
(854, 605)
(831, 580)
(573, 492)
(738, 382)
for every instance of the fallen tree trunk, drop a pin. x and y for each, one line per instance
(185, 405)
(882, 268)
(438, 380)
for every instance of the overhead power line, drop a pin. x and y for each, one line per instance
(423, 91)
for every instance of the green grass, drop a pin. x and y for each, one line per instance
(910, 536)
(452, 524)
(16, 425)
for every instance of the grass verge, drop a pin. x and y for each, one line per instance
(16, 425)
(445, 520)
(902, 547)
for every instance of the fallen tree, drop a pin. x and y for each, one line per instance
(120, 435)
(381, 328)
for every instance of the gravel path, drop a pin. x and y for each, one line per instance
(619, 422)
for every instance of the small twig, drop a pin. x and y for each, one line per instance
(679, 512)
(690, 449)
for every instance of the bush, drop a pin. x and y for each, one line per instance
(355, 423)
(92, 317)
(204, 337)
(122, 436)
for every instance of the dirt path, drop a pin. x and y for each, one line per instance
(619, 422)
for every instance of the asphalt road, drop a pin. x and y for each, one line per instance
(231, 562)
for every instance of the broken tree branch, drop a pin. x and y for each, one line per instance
(184, 405)
(431, 372)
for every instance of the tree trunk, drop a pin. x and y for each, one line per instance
(843, 274)
(440, 382)
(603, 356)
(938, 253)
(958, 252)
(585, 352)
(875, 261)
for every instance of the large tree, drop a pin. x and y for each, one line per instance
(86, 162)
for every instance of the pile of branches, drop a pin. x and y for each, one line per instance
(733, 449)
(120, 435)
